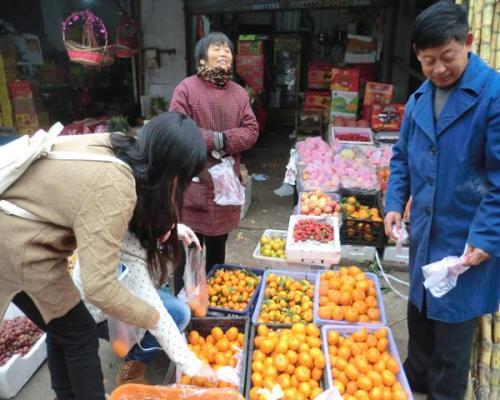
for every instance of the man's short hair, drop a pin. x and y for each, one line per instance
(439, 24)
(201, 49)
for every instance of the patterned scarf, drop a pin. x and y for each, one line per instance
(218, 76)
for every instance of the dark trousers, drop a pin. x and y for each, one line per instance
(439, 354)
(215, 249)
(72, 351)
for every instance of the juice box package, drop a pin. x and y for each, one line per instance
(378, 93)
(319, 75)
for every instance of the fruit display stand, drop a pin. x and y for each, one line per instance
(19, 369)
(204, 326)
(362, 231)
(309, 276)
(313, 252)
(221, 311)
(392, 348)
(380, 301)
(251, 347)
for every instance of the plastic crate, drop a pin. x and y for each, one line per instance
(348, 330)
(251, 347)
(310, 276)
(19, 369)
(334, 196)
(205, 325)
(380, 300)
(315, 254)
(251, 302)
(377, 228)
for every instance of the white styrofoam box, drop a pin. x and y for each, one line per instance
(19, 369)
(357, 253)
(315, 254)
(392, 255)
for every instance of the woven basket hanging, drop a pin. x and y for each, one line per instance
(127, 37)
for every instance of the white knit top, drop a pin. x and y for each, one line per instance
(138, 281)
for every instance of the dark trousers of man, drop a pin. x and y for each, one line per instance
(439, 354)
(72, 351)
(215, 249)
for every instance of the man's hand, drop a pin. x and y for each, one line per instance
(392, 218)
(474, 256)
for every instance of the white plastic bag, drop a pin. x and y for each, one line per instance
(228, 189)
(441, 276)
(401, 236)
(195, 291)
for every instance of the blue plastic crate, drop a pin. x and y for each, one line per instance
(251, 302)
(380, 300)
(348, 330)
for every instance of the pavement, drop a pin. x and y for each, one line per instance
(267, 211)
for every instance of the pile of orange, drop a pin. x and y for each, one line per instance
(218, 349)
(287, 300)
(362, 367)
(232, 289)
(290, 358)
(348, 295)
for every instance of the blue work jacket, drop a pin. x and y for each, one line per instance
(451, 167)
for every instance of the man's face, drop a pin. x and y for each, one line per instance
(219, 55)
(444, 65)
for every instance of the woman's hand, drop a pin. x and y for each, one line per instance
(205, 372)
(186, 234)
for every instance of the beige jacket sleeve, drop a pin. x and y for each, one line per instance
(99, 227)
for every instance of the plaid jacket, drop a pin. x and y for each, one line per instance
(223, 110)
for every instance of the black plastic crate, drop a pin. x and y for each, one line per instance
(360, 231)
(251, 347)
(205, 325)
(227, 312)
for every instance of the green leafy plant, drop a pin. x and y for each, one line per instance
(158, 105)
(118, 123)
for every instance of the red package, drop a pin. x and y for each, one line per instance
(249, 60)
(249, 48)
(319, 75)
(317, 100)
(387, 117)
(20, 89)
(378, 93)
(346, 80)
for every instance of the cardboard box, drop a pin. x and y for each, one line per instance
(378, 93)
(26, 121)
(249, 60)
(24, 106)
(387, 117)
(345, 79)
(317, 100)
(360, 49)
(256, 71)
(344, 104)
(20, 89)
(318, 76)
(250, 48)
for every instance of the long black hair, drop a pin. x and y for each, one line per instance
(168, 152)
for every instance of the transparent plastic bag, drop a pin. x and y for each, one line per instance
(228, 189)
(195, 291)
(441, 276)
(122, 336)
(401, 235)
(136, 391)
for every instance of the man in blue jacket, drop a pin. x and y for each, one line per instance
(448, 159)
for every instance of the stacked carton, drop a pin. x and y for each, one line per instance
(7, 74)
(250, 63)
(24, 105)
(345, 92)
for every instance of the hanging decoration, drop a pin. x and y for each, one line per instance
(92, 49)
(127, 37)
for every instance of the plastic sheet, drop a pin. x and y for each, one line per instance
(134, 391)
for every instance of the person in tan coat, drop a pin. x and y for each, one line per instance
(93, 204)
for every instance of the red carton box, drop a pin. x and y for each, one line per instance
(245, 71)
(345, 80)
(249, 48)
(319, 75)
(20, 89)
(249, 60)
(378, 93)
(317, 100)
(256, 83)
(387, 117)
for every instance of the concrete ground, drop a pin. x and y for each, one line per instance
(267, 211)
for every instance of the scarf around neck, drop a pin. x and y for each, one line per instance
(218, 76)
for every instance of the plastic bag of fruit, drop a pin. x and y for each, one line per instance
(122, 336)
(228, 189)
(135, 391)
(195, 291)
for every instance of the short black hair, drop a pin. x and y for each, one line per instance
(201, 49)
(439, 24)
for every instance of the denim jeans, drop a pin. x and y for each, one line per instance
(180, 313)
